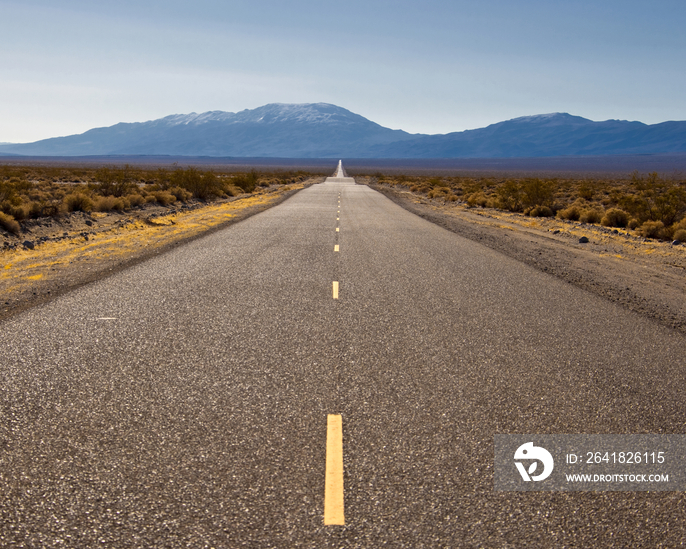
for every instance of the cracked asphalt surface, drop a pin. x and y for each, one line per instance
(183, 402)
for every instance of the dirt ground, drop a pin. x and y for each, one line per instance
(643, 275)
(52, 256)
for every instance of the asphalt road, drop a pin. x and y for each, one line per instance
(184, 402)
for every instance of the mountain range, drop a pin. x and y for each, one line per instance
(321, 130)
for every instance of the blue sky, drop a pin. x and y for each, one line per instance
(426, 67)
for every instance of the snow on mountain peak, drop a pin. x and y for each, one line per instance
(299, 112)
(551, 117)
(273, 112)
(195, 118)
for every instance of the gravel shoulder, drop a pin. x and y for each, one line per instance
(67, 253)
(642, 275)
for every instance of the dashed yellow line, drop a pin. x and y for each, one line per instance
(338, 230)
(335, 289)
(335, 248)
(333, 490)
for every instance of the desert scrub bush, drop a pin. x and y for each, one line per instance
(200, 184)
(680, 225)
(680, 235)
(438, 182)
(164, 198)
(77, 202)
(586, 190)
(181, 194)
(287, 178)
(614, 217)
(103, 203)
(541, 211)
(37, 194)
(571, 213)
(652, 229)
(113, 181)
(438, 192)
(477, 199)
(135, 199)
(11, 189)
(508, 196)
(162, 179)
(591, 215)
(247, 181)
(654, 199)
(109, 203)
(8, 223)
(44, 208)
(17, 210)
(633, 223)
(232, 190)
(536, 192)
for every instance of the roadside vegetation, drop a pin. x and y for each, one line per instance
(29, 192)
(652, 205)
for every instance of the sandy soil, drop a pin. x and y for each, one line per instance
(53, 256)
(643, 275)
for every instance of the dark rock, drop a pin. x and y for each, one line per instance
(676, 242)
(583, 240)
(28, 245)
(89, 223)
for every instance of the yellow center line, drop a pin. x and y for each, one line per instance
(338, 230)
(335, 289)
(333, 490)
(335, 248)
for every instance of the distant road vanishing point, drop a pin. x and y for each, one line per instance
(340, 176)
(329, 372)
